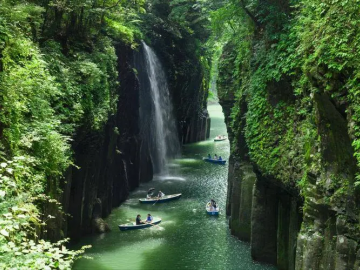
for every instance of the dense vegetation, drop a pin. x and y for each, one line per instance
(58, 78)
(57, 74)
(292, 69)
(288, 68)
(180, 32)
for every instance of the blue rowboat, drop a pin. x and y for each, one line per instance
(215, 161)
(166, 198)
(211, 210)
(133, 226)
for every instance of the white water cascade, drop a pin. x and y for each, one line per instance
(163, 129)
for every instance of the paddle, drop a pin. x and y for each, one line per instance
(156, 201)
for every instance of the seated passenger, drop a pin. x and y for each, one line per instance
(209, 156)
(220, 158)
(215, 157)
(160, 194)
(138, 220)
(213, 204)
(149, 218)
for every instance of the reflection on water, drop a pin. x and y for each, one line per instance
(168, 177)
(186, 238)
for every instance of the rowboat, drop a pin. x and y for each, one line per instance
(165, 198)
(211, 210)
(215, 161)
(220, 138)
(133, 226)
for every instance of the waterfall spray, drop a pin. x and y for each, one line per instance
(164, 135)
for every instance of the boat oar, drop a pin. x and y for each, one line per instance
(156, 201)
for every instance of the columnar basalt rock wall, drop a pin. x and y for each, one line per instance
(303, 204)
(196, 128)
(324, 238)
(188, 88)
(243, 180)
(264, 214)
(110, 163)
(329, 238)
(262, 210)
(185, 63)
(291, 101)
(115, 160)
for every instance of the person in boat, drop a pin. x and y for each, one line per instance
(149, 218)
(213, 205)
(215, 157)
(209, 156)
(138, 220)
(160, 194)
(150, 193)
(220, 158)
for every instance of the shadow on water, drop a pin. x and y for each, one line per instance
(187, 238)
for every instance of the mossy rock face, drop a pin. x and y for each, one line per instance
(295, 116)
(337, 151)
(309, 256)
(227, 85)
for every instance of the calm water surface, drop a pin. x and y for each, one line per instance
(186, 238)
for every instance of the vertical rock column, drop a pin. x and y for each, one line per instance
(109, 161)
(264, 222)
(243, 182)
(289, 222)
(283, 232)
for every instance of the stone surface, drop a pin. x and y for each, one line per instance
(114, 160)
(264, 222)
(100, 226)
(248, 179)
(110, 162)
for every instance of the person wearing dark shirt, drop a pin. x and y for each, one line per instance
(213, 203)
(138, 220)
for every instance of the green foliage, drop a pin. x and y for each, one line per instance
(20, 246)
(277, 55)
(58, 74)
(178, 31)
(83, 21)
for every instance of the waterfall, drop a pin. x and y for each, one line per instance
(164, 141)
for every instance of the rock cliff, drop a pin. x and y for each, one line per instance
(116, 159)
(292, 168)
(110, 162)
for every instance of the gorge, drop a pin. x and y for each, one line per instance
(103, 99)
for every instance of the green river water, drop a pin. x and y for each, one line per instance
(187, 238)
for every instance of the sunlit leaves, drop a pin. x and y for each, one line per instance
(19, 223)
(45, 96)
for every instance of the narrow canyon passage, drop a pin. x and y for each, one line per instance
(187, 238)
